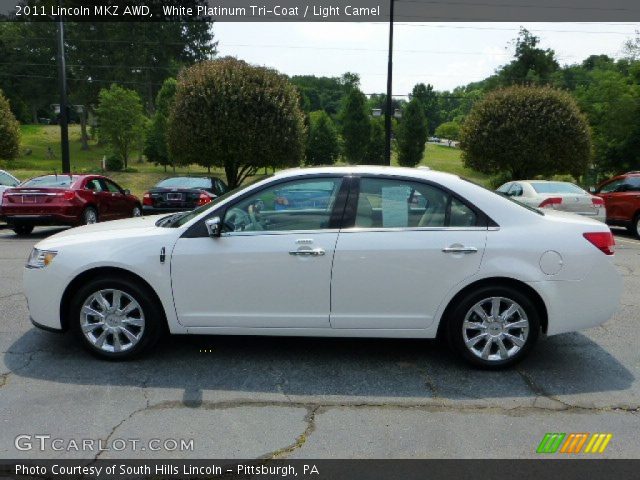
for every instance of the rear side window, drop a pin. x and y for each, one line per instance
(391, 203)
(51, 181)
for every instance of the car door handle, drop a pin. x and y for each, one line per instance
(315, 252)
(460, 250)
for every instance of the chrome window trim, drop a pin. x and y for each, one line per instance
(278, 232)
(414, 229)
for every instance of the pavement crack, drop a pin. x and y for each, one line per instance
(310, 419)
(18, 294)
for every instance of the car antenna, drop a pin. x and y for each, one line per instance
(55, 172)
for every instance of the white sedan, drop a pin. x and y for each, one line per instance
(335, 252)
(563, 196)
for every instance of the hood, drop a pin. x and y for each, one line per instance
(119, 229)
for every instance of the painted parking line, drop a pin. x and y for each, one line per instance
(628, 241)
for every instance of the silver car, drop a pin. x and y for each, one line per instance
(7, 181)
(562, 196)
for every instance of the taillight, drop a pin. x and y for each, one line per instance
(597, 202)
(67, 196)
(603, 241)
(146, 199)
(551, 202)
(203, 199)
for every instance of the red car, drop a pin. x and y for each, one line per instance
(66, 200)
(621, 197)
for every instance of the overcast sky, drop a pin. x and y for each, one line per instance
(443, 54)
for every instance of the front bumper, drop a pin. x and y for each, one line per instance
(44, 288)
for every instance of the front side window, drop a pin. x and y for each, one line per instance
(295, 205)
(611, 186)
(112, 187)
(389, 203)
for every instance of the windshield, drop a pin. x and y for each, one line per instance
(56, 181)
(185, 182)
(556, 187)
(179, 219)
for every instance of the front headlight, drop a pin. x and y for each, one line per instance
(40, 258)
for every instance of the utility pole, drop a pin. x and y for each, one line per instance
(388, 113)
(64, 108)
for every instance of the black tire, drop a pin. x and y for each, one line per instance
(464, 306)
(138, 207)
(22, 230)
(89, 213)
(634, 228)
(154, 319)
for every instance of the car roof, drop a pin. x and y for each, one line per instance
(417, 173)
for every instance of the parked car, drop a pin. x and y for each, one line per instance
(6, 181)
(563, 196)
(461, 262)
(178, 194)
(621, 195)
(66, 200)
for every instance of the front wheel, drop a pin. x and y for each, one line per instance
(115, 318)
(494, 327)
(137, 211)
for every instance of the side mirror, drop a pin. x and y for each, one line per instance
(592, 189)
(214, 227)
(127, 192)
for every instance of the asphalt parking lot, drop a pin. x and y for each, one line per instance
(249, 397)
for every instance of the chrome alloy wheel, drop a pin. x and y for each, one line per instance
(495, 329)
(112, 320)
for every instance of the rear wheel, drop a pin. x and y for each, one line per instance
(115, 318)
(89, 216)
(22, 230)
(494, 327)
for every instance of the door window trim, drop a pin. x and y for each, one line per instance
(199, 230)
(483, 221)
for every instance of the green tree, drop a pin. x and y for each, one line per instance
(524, 131)
(449, 131)
(376, 148)
(412, 135)
(323, 146)
(612, 104)
(428, 98)
(121, 120)
(9, 131)
(155, 147)
(531, 64)
(356, 128)
(230, 114)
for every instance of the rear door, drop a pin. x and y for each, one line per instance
(615, 199)
(408, 244)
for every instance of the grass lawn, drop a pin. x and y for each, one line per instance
(36, 139)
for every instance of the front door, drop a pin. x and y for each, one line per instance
(272, 265)
(411, 243)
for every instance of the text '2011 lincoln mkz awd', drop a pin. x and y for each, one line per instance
(341, 251)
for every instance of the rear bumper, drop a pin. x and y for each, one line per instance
(42, 217)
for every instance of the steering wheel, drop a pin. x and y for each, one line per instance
(238, 218)
(254, 211)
